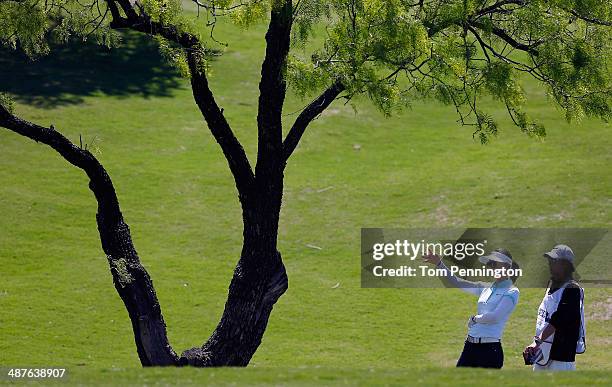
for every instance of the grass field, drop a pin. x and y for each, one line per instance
(417, 169)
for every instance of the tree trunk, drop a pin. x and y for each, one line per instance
(258, 282)
(136, 290)
(259, 278)
(130, 277)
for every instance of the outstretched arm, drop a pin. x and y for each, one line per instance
(474, 288)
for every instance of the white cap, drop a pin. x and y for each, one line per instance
(497, 257)
(561, 252)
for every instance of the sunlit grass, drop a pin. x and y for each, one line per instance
(418, 169)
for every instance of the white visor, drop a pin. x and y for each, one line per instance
(497, 257)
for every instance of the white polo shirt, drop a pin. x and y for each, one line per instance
(496, 302)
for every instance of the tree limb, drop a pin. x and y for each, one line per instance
(497, 7)
(272, 87)
(131, 279)
(219, 127)
(76, 156)
(315, 108)
(502, 34)
(590, 19)
(212, 113)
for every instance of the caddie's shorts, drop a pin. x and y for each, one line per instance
(555, 365)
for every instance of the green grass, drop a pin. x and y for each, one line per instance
(308, 376)
(418, 169)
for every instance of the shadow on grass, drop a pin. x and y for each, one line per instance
(77, 70)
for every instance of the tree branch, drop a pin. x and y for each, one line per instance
(131, 279)
(590, 19)
(497, 7)
(272, 87)
(483, 45)
(219, 127)
(76, 156)
(315, 108)
(116, 15)
(212, 113)
(127, 7)
(141, 23)
(502, 34)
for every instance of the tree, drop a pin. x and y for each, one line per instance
(393, 51)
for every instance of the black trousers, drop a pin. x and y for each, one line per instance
(485, 355)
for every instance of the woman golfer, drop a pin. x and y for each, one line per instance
(496, 302)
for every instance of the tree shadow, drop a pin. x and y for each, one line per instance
(76, 70)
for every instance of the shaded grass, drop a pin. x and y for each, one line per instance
(76, 70)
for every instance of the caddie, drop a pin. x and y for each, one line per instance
(560, 327)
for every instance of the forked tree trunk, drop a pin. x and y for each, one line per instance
(252, 293)
(259, 279)
(258, 282)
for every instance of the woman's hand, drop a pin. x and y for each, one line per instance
(431, 258)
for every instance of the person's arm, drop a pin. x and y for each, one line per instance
(549, 329)
(474, 288)
(503, 309)
(566, 317)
